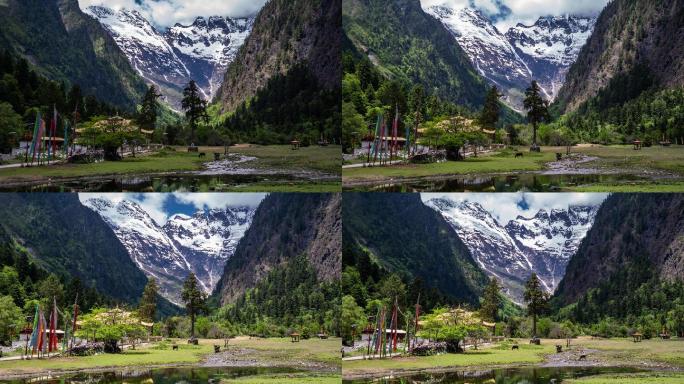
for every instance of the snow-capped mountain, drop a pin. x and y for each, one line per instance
(170, 59)
(511, 60)
(542, 244)
(201, 243)
(550, 46)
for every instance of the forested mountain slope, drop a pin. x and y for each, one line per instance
(65, 44)
(633, 250)
(406, 43)
(70, 240)
(636, 45)
(405, 236)
(284, 227)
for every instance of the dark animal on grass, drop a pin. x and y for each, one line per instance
(202, 154)
(518, 154)
(559, 156)
(174, 347)
(515, 347)
(582, 357)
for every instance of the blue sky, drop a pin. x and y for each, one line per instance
(161, 206)
(507, 206)
(507, 13)
(166, 13)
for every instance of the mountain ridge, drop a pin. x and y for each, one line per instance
(511, 59)
(543, 243)
(628, 35)
(201, 243)
(46, 32)
(169, 59)
(285, 33)
(285, 226)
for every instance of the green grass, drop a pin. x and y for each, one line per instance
(186, 354)
(620, 351)
(648, 187)
(632, 378)
(287, 379)
(624, 156)
(152, 163)
(501, 162)
(325, 159)
(298, 186)
(500, 355)
(274, 351)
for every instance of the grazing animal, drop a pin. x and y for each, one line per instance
(217, 348)
(582, 357)
(559, 156)
(518, 154)
(202, 154)
(515, 347)
(174, 347)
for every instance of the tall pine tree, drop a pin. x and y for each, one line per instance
(491, 300)
(537, 300)
(537, 110)
(489, 115)
(149, 109)
(194, 299)
(194, 106)
(148, 302)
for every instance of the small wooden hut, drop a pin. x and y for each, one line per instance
(295, 337)
(637, 337)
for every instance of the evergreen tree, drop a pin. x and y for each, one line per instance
(491, 300)
(489, 115)
(536, 299)
(148, 302)
(147, 117)
(537, 109)
(194, 299)
(194, 106)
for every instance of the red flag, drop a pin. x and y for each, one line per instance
(52, 343)
(54, 129)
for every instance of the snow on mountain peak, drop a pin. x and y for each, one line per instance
(543, 51)
(170, 59)
(201, 243)
(542, 243)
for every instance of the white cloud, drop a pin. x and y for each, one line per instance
(526, 11)
(165, 13)
(220, 200)
(155, 203)
(505, 206)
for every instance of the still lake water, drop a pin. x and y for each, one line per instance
(155, 376)
(162, 183)
(499, 183)
(498, 376)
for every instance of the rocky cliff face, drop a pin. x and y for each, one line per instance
(512, 59)
(543, 243)
(169, 59)
(284, 227)
(285, 33)
(65, 44)
(628, 33)
(642, 231)
(201, 243)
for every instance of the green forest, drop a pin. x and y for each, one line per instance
(366, 93)
(290, 298)
(292, 106)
